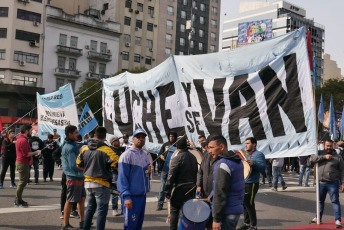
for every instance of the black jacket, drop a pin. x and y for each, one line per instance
(36, 144)
(205, 175)
(48, 153)
(9, 149)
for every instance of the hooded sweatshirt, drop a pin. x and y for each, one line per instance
(97, 159)
(228, 186)
(132, 178)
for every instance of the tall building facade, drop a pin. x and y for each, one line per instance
(21, 58)
(331, 69)
(152, 30)
(77, 48)
(285, 17)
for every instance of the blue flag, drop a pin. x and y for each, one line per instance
(341, 125)
(315, 72)
(321, 110)
(332, 122)
(87, 121)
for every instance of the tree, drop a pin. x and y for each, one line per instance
(91, 92)
(332, 87)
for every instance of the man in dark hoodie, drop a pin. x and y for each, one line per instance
(96, 160)
(228, 185)
(165, 155)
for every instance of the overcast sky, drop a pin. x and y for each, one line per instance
(328, 13)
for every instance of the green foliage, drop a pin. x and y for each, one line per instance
(91, 92)
(331, 87)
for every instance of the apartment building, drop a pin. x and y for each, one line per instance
(21, 61)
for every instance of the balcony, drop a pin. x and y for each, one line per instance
(67, 72)
(69, 51)
(99, 56)
(96, 76)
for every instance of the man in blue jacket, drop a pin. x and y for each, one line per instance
(256, 160)
(133, 181)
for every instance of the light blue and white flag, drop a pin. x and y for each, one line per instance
(87, 121)
(56, 110)
(332, 121)
(262, 91)
(341, 126)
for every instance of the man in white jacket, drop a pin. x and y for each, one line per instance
(277, 164)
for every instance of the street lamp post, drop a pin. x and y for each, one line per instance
(189, 25)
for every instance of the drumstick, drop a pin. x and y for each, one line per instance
(168, 212)
(190, 190)
(203, 199)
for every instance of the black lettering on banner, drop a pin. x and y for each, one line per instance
(86, 119)
(187, 89)
(125, 128)
(188, 117)
(290, 101)
(197, 122)
(213, 126)
(150, 117)
(164, 92)
(250, 110)
(107, 123)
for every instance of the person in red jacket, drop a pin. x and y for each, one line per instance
(9, 158)
(23, 162)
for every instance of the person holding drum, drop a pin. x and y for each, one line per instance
(181, 179)
(228, 189)
(256, 160)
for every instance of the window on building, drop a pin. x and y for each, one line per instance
(102, 68)
(214, 10)
(137, 58)
(23, 107)
(59, 83)
(214, 1)
(125, 55)
(183, 14)
(127, 21)
(137, 41)
(72, 63)
(3, 32)
(168, 38)
(61, 62)
(40, 1)
(126, 38)
(140, 7)
(92, 67)
(2, 54)
(169, 24)
(22, 80)
(27, 57)
(28, 15)
(182, 41)
(63, 40)
(27, 36)
(148, 60)
(151, 11)
(213, 36)
(94, 45)
(212, 49)
(74, 42)
(192, 44)
(3, 11)
(169, 10)
(105, 6)
(194, 4)
(182, 28)
(185, 2)
(200, 46)
(181, 53)
(167, 52)
(139, 24)
(128, 4)
(149, 26)
(213, 24)
(103, 47)
(149, 43)
(201, 33)
(202, 7)
(193, 17)
(201, 20)
(72, 83)
(2, 81)
(4, 105)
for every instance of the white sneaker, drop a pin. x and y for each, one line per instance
(115, 212)
(338, 224)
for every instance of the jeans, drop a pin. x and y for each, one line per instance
(36, 170)
(332, 189)
(114, 198)
(304, 169)
(23, 170)
(276, 172)
(161, 197)
(98, 198)
(230, 221)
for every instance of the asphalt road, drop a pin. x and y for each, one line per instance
(275, 210)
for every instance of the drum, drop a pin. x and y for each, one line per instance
(195, 152)
(247, 168)
(195, 215)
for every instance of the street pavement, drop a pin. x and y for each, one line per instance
(292, 207)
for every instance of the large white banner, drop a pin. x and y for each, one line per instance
(56, 110)
(262, 91)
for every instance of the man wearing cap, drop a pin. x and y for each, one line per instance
(125, 142)
(133, 180)
(115, 146)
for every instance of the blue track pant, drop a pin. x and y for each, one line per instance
(136, 215)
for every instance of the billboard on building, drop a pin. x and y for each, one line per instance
(254, 31)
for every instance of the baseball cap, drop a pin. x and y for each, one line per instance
(114, 138)
(138, 131)
(126, 135)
